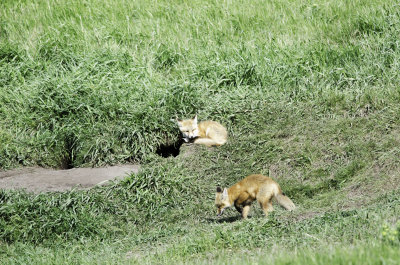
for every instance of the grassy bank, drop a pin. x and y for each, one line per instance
(79, 91)
(309, 93)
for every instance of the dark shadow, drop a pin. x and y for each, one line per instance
(229, 219)
(167, 150)
(67, 161)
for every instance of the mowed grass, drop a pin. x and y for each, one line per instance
(309, 92)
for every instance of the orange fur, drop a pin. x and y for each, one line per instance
(253, 187)
(208, 133)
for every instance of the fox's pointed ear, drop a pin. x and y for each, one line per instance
(178, 121)
(225, 193)
(195, 119)
(219, 189)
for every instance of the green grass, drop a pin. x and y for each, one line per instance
(309, 92)
(78, 91)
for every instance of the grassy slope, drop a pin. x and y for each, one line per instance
(78, 91)
(309, 93)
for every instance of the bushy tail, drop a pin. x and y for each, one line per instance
(209, 141)
(284, 201)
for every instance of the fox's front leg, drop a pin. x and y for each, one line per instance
(246, 210)
(238, 207)
(241, 205)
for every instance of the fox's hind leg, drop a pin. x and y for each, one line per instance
(266, 204)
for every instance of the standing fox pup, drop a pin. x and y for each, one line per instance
(253, 187)
(208, 133)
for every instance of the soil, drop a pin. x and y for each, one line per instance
(37, 179)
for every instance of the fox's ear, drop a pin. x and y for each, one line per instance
(195, 119)
(225, 193)
(178, 121)
(219, 189)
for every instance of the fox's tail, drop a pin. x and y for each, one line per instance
(284, 201)
(209, 141)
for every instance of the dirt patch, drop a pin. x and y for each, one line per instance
(43, 179)
(363, 193)
(307, 215)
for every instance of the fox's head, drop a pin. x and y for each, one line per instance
(188, 128)
(221, 200)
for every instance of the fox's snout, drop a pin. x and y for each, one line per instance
(220, 211)
(188, 138)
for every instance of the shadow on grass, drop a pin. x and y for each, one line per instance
(172, 149)
(229, 219)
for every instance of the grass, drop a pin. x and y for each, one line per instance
(79, 92)
(309, 94)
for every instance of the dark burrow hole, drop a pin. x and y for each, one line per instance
(166, 150)
(67, 161)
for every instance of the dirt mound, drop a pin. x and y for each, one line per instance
(44, 179)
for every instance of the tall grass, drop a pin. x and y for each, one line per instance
(98, 82)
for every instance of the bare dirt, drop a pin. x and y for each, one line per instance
(37, 179)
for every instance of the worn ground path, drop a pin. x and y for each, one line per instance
(44, 179)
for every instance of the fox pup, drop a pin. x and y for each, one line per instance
(253, 187)
(208, 133)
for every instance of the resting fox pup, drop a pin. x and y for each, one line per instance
(251, 188)
(208, 133)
